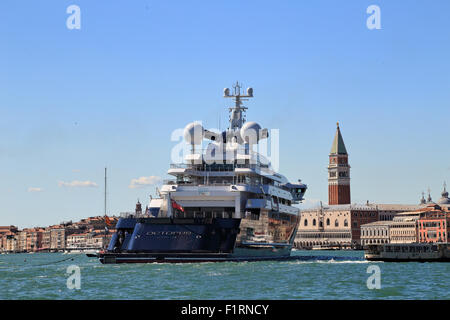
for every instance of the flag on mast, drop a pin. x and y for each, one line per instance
(177, 206)
(108, 221)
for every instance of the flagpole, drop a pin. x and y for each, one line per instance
(104, 237)
(105, 191)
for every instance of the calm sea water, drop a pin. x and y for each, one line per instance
(330, 275)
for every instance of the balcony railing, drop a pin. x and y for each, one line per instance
(209, 183)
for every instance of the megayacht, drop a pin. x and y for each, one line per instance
(226, 202)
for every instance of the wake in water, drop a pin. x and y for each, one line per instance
(328, 259)
(331, 262)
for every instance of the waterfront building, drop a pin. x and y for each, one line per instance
(377, 232)
(76, 240)
(428, 223)
(405, 226)
(2, 242)
(334, 226)
(22, 240)
(99, 240)
(6, 232)
(34, 239)
(403, 232)
(434, 226)
(338, 172)
(91, 239)
(46, 239)
(57, 238)
(94, 239)
(316, 225)
(10, 242)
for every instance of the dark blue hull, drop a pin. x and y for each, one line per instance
(155, 239)
(150, 240)
(108, 258)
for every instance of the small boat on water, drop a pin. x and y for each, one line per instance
(88, 252)
(92, 253)
(408, 252)
(75, 252)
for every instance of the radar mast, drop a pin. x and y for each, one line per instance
(237, 113)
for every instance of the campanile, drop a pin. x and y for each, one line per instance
(338, 172)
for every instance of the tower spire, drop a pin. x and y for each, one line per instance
(423, 201)
(338, 171)
(338, 146)
(444, 193)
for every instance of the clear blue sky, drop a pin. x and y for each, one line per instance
(111, 93)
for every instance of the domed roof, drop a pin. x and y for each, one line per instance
(445, 199)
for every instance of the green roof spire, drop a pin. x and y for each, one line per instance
(338, 146)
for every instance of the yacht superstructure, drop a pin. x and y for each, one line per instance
(225, 202)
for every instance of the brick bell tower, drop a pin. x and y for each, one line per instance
(338, 172)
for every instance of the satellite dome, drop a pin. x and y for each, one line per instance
(250, 132)
(193, 133)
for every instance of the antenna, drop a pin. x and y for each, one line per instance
(105, 191)
(104, 236)
(237, 112)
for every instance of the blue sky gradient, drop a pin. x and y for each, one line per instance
(111, 93)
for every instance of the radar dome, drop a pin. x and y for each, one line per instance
(250, 132)
(193, 133)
